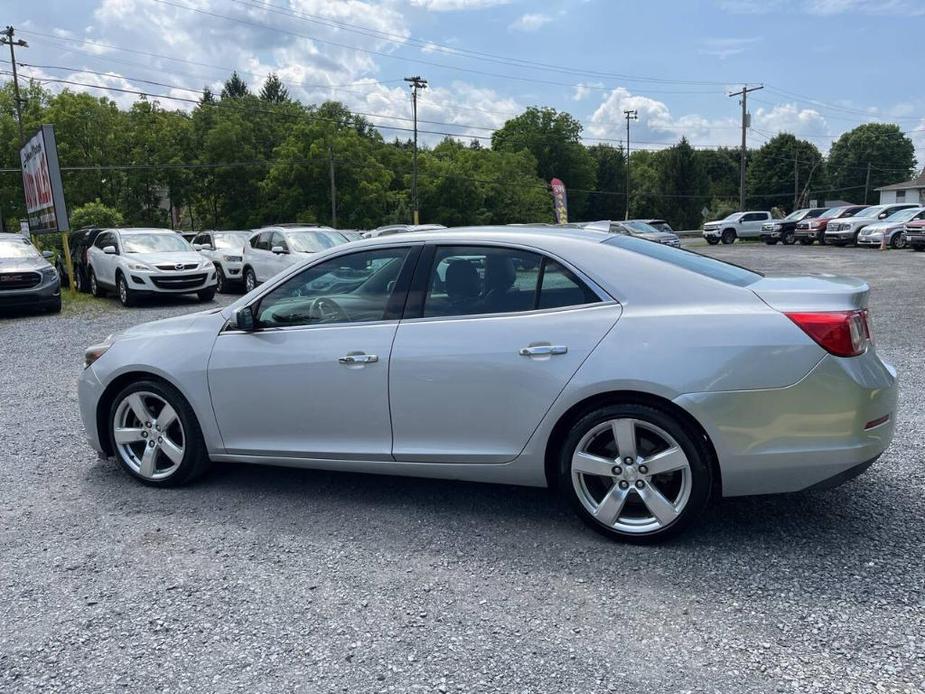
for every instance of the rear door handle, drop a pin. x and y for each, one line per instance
(542, 350)
(358, 359)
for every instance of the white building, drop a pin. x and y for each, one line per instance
(910, 191)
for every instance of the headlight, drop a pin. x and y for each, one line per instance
(141, 267)
(206, 264)
(232, 258)
(776, 227)
(94, 352)
(49, 271)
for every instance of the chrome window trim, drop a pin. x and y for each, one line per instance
(533, 312)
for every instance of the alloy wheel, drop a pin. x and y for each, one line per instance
(631, 476)
(148, 435)
(123, 292)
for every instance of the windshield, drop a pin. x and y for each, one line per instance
(154, 243)
(16, 249)
(796, 216)
(873, 211)
(313, 241)
(641, 227)
(903, 215)
(231, 240)
(701, 264)
(734, 216)
(831, 213)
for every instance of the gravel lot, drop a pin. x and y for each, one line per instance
(267, 580)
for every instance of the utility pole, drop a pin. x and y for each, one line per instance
(8, 39)
(333, 187)
(416, 83)
(743, 92)
(867, 185)
(796, 182)
(630, 114)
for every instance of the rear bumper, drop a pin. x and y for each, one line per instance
(813, 432)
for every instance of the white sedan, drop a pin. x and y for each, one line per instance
(639, 379)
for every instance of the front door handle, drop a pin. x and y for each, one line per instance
(542, 350)
(358, 359)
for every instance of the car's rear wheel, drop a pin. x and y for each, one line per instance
(126, 296)
(155, 435)
(787, 238)
(899, 240)
(95, 288)
(250, 280)
(635, 473)
(728, 236)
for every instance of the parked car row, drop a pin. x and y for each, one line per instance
(860, 225)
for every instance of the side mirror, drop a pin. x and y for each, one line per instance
(198, 246)
(47, 254)
(109, 250)
(244, 319)
(278, 250)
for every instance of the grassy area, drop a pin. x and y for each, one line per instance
(74, 302)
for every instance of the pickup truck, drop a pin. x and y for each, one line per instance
(810, 230)
(738, 225)
(784, 230)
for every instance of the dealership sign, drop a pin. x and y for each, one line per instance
(41, 180)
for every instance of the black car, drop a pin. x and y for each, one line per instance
(79, 242)
(27, 279)
(784, 230)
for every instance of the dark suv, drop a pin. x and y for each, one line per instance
(79, 242)
(784, 230)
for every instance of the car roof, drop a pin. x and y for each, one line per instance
(141, 230)
(294, 227)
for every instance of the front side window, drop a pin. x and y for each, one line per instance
(105, 239)
(278, 241)
(475, 280)
(352, 288)
(154, 243)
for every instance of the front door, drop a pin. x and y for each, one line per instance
(498, 336)
(312, 380)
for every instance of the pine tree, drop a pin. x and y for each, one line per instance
(273, 90)
(235, 87)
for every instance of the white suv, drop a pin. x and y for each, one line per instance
(226, 250)
(738, 225)
(272, 249)
(133, 262)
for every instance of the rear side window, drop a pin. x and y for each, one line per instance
(701, 264)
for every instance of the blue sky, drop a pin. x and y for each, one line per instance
(827, 65)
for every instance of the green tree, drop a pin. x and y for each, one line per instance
(610, 180)
(95, 214)
(779, 171)
(235, 87)
(881, 148)
(273, 90)
(721, 168)
(554, 140)
(682, 185)
(645, 196)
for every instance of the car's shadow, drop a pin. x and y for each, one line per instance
(811, 539)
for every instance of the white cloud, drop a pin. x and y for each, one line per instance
(723, 48)
(452, 5)
(584, 89)
(530, 22)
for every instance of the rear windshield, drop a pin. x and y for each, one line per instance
(701, 264)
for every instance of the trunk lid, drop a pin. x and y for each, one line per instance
(812, 292)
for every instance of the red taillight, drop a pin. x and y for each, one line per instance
(842, 333)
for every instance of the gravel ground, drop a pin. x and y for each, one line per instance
(266, 580)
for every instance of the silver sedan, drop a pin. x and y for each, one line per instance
(638, 379)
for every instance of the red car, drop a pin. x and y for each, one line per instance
(915, 234)
(811, 230)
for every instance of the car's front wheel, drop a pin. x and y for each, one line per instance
(712, 241)
(899, 240)
(95, 288)
(635, 473)
(729, 236)
(788, 238)
(126, 296)
(220, 281)
(206, 294)
(250, 280)
(155, 435)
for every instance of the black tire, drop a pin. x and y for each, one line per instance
(804, 241)
(728, 236)
(206, 294)
(771, 242)
(898, 241)
(820, 237)
(918, 249)
(55, 306)
(96, 288)
(250, 280)
(221, 283)
(80, 282)
(195, 460)
(712, 241)
(698, 456)
(788, 238)
(126, 296)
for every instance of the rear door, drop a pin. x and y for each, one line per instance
(263, 258)
(752, 223)
(490, 337)
(104, 264)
